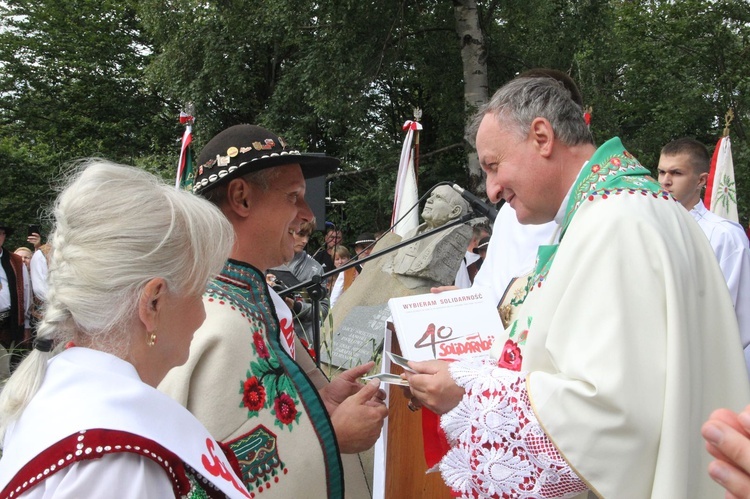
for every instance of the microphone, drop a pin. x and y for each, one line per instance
(479, 206)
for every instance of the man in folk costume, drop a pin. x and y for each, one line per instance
(683, 170)
(626, 341)
(15, 298)
(248, 378)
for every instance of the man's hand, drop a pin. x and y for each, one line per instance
(728, 440)
(358, 419)
(345, 385)
(289, 303)
(433, 386)
(35, 239)
(440, 289)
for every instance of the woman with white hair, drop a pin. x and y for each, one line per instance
(130, 259)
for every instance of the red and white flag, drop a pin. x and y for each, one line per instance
(185, 174)
(406, 196)
(721, 191)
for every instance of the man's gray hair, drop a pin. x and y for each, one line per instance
(517, 103)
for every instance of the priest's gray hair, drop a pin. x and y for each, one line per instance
(520, 101)
(116, 228)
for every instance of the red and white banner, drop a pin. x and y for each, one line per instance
(721, 191)
(185, 175)
(406, 196)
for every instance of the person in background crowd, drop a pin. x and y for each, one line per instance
(25, 254)
(362, 248)
(324, 255)
(684, 165)
(34, 238)
(341, 255)
(299, 270)
(39, 272)
(464, 278)
(481, 251)
(303, 425)
(15, 300)
(81, 415)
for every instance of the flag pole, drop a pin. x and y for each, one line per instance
(727, 121)
(721, 189)
(417, 119)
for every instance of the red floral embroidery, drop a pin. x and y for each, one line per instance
(595, 168)
(616, 162)
(511, 357)
(254, 396)
(260, 346)
(286, 411)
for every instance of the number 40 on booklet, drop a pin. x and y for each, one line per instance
(446, 325)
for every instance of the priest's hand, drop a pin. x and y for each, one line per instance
(728, 440)
(433, 386)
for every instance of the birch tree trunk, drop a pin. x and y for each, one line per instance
(474, 59)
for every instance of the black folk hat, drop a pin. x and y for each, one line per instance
(364, 239)
(7, 228)
(244, 149)
(482, 245)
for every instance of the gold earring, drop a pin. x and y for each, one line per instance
(151, 341)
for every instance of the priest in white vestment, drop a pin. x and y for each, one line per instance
(626, 340)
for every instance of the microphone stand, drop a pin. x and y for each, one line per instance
(317, 292)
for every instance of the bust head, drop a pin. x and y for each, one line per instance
(443, 205)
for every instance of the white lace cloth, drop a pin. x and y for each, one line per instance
(498, 448)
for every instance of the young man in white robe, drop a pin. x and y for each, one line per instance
(684, 165)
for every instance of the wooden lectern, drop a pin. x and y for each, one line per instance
(405, 468)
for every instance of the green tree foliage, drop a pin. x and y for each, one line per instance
(71, 86)
(666, 70)
(82, 77)
(73, 78)
(25, 191)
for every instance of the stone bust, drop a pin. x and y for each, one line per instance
(437, 257)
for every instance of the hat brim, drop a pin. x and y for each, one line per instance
(313, 165)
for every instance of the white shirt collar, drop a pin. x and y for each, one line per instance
(699, 208)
